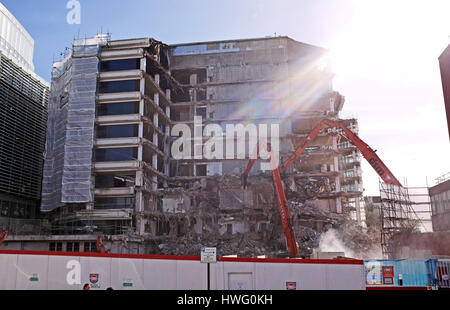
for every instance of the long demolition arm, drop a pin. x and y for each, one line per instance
(3, 236)
(286, 219)
(369, 154)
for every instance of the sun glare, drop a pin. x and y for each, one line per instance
(382, 29)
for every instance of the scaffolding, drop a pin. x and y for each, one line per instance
(395, 211)
(398, 214)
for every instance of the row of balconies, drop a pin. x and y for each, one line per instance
(158, 105)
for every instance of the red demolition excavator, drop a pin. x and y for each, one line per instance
(369, 154)
(99, 245)
(3, 236)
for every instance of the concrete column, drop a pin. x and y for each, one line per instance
(155, 139)
(143, 64)
(335, 163)
(140, 135)
(155, 161)
(337, 179)
(338, 205)
(167, 152)
(156, 99)
(331, 104)
(157, 79)
(139, 202)
(142, 86)
(141, 107)
(139, 178)
(155, 183)
(156, 124)
(140, 152)
(358, 211)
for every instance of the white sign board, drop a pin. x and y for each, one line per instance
(208, 255)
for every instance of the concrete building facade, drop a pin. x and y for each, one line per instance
(109, 169)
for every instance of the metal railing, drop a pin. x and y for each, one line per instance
(443, 178)
(25, 226)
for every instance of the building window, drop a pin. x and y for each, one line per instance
(230, 229)
(116, 154)
(55, 246)
(121, 64)
(110, 203)
(184, 76)
(117, 131)
(200, 170)
(114, 180)
(349, 173)
(117, 108)
(201, 111)
(119, 86)
(90, 247)
(344, 145)
(73, 247)
(348, 159)
(4, 209)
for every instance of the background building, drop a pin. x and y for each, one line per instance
(15, 42)
(440, 204)
(444, 63)
(23, 113)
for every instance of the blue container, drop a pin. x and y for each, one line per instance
(439, 272)
(405, 272)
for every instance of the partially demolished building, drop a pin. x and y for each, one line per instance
(109, 168)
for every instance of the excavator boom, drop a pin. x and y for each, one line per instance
(377, 164)
(3, 236)
(286, 219)
(369, 154)
(100, 246)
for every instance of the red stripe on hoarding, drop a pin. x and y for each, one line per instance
(193, 258)
(110, 255)
(292, 260)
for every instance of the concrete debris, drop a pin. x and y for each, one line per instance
(217, 212)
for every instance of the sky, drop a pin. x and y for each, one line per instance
(384, 55)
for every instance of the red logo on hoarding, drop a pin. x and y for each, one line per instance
(388, 271)
(93, 277)
(291, 286)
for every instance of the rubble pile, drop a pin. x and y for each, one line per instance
(219, 201)
(242, 245)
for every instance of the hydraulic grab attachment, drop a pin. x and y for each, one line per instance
(3, 236)
(100, 246)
